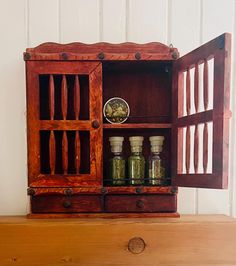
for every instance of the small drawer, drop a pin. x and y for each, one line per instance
(138, 203)
(65, 204)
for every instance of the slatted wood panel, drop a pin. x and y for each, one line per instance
(64, 137)
(219, 49)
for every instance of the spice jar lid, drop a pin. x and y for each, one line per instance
(156, 143)
(136, 140)
(116, 143)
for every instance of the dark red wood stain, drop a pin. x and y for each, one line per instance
(68, 147)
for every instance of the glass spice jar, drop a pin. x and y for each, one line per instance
(136, 162)
(156, 171)
(117, 162)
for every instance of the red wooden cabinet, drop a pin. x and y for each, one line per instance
(184, 99)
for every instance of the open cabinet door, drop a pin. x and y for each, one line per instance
(201, 88)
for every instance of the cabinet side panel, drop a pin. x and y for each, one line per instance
(32, 122)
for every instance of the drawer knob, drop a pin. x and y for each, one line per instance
(140, 204)
(95, 124)
(67, 204)
(136, 245)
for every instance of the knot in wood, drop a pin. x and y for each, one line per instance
(136, 245)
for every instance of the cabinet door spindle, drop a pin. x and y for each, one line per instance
(64, 97)
(196, 88)
(65, 152)
(205, 147)
(187, 157)
(196, 147)
(188, 95)
(205, 84)
(52, 152)
(51, 97)
(77, 152)
(77, 97)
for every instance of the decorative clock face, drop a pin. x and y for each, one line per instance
(116, 110)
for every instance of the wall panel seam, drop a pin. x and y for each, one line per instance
(27, 22)
(200, 43)
(100, 10)
(59, 21)
(127, 21)
(169, 8)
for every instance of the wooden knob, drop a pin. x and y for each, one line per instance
(67, 204)
(101, 56)
(30, 191)
(136, 245)
(140, 204)
(139, 190)
(138, 56)
(64, 56)
(95, 124)
(174, 55)
(69, 191)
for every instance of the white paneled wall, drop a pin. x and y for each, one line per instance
(27, 23)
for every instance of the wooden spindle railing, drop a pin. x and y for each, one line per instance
(196, 104)
(65, 153)
(64, 97)
(77, 111)
(188, 109)
(52, 152)
(206, 102)
(77, 152)
(51, 97)
(196, 88)
(205, 85)
(187, 154)
(77, 97)
(205, 147)
(196, 149)
(188, 93)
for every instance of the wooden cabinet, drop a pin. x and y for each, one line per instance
(184, 99)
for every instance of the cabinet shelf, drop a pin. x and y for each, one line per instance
(137, 125)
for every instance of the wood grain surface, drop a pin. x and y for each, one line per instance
(190, 240)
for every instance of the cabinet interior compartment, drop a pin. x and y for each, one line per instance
(146, 133)
(146, 86)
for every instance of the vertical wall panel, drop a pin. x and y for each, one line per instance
(184, 33)
(91, 21)
(43, 21)
(215, 21)
(233, 122)
(147, 21)
(114, 21)
(13, 173)
(79, 21)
